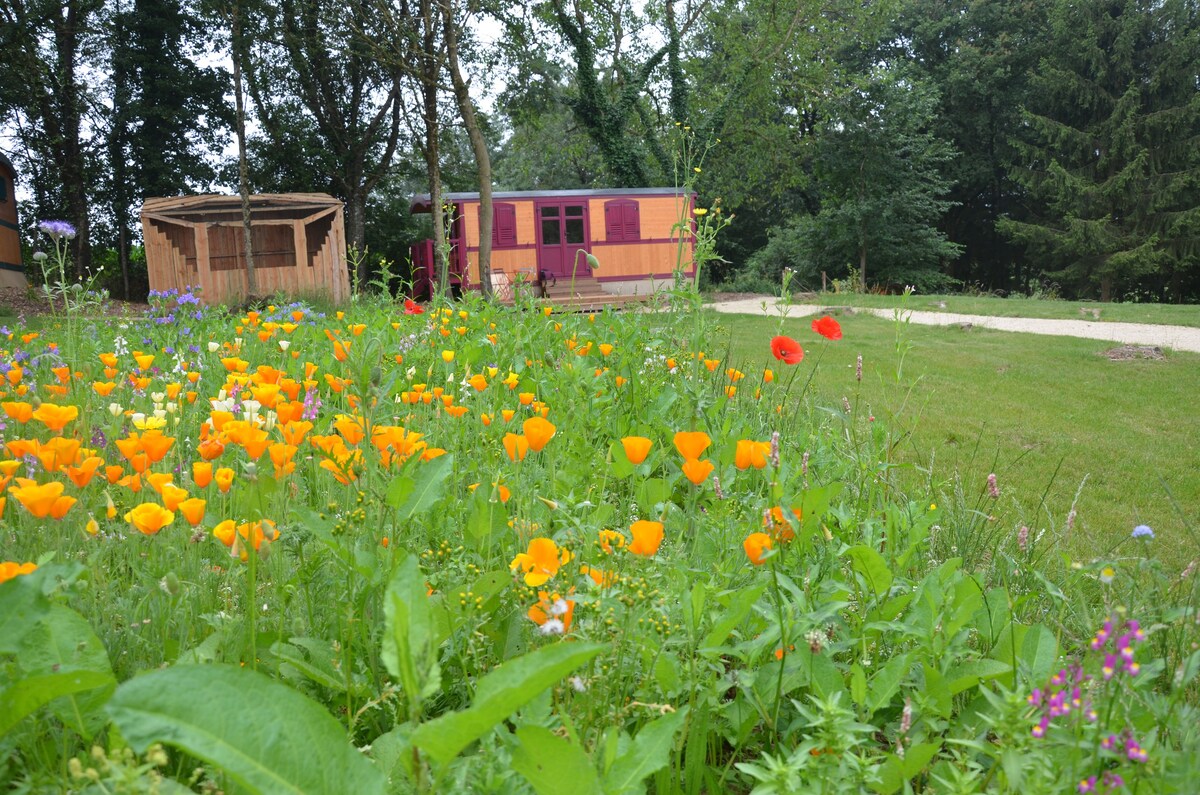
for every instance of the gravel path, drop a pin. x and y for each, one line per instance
(1180, 338)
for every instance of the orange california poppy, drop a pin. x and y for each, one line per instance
(172, 496)
(18, 411)
(538, 432)
(552, 606)
(193, 510)
(202, 473)
(636, 448)
(38, 499)
(82, 475)
(224, 479)
(149, 517)
(516, 445)
(10, 569)
(756, 546)
(691, 444)
(697, 471)
(541, 561)
(647, 536)
(750, 453)
(55, 417)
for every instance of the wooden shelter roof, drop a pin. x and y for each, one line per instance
(220, 207)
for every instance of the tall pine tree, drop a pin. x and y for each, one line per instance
(1111, 157)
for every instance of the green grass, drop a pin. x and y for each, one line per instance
(1044, 413)
(1163, 314)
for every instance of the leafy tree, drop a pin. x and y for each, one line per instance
(1111, 153)
(168, 114)
(46, 46)
(981, 56)
(547, 150)
(320, 92)
(613, 74)
(877, 171)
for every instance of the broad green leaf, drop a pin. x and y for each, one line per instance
(738, 609)
(918, 756)
(970, 673)
(409, 647)
(886, 682)
(873, 568)
(550, 763)
(488, 517)
(399, 490)
(64, 642)
(858, 684)
(427, 488)
(649, 752)
(651, 492)
(1007, 650)
(22, 606)
(266, 736)
(1189, 669)
(316, 661)
(27, 695)
(1039, 652)
(499, 694)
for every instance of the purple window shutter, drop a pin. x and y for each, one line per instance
(504, 225)
(621, 220)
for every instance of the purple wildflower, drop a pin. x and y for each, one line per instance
(58, 230)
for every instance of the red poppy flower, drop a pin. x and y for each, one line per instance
(411, 307)
(787, 350)
(827, 327)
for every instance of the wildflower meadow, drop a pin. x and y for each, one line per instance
(462, 547)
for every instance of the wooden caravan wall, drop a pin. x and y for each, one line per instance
(509, 260)
(296, 257)
(657, 253)
(12, 271)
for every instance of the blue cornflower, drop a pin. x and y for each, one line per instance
(1143, 531)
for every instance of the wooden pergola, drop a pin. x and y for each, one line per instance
(298, 241)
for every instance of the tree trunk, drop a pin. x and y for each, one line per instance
(66, 35)
(116, 147)
(430, 67)
(1106, 287)
(862, 262)
(356, 227)
(483, 160)
(243, 169)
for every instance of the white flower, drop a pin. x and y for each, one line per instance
(578, 683)
(560, 607)
(285, 344)
(552, 627)
(158, 397)
(214, 346)
(115, 409)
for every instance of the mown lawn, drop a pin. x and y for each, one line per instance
(1168, 314)
(1046, 414)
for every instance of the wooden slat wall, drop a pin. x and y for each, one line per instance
(302, 257)
(658, 214)
(596, 218)
(634, 260)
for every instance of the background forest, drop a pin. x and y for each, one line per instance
(1018, 146)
